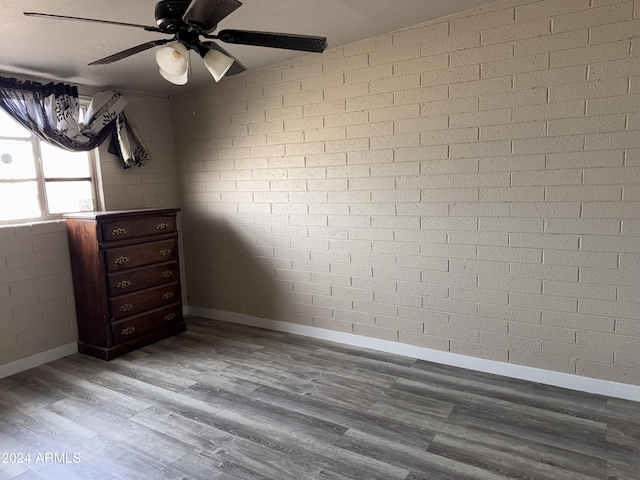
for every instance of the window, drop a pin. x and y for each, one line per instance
(38, 180)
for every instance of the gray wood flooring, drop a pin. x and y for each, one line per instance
(224, 401)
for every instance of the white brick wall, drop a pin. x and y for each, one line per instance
(37, 311)
(154, 185)
(469, 185)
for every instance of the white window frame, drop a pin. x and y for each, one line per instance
(94, 178)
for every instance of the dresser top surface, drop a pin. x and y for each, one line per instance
(121, 213)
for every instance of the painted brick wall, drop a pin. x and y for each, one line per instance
(470, 185)
(154, 185)
(37, 310)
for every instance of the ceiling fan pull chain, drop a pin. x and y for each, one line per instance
(193, 96)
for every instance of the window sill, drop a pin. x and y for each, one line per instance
(18, 228)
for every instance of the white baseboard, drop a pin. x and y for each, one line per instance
(38, 359)
(538, 375)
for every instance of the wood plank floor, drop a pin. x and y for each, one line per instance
(224, 401)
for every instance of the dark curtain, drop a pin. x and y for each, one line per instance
(126, 144)
(52, 113)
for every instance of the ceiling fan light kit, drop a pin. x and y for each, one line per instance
(175, 79)
(217, 63)
(187, 21)
(173, 58)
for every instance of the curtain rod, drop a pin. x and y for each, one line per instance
(83, 90)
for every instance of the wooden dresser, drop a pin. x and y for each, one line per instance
(126, 279)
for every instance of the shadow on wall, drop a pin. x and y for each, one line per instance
(224, 269)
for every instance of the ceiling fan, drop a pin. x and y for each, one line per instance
(189, 21)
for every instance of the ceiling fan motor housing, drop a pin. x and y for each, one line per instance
(169, 14)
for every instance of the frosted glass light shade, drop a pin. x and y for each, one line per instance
(175, 79)
(173, 59)
(217, 63)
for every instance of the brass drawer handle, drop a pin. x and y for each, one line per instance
(116, 232)
(169, 316)
(128, 330)
(124, 284)
(126, 307)
(166, 274)
(162, 226)
(167, 296)
(121, 260)
(165, 252)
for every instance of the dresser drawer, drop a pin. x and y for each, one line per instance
(141, 254)
(134, 303)
(120, 229)
(133, 327)
(133, 280)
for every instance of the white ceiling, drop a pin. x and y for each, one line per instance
(61, 50)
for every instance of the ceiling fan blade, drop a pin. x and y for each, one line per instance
(287, 41)
(235, 69)
(130, 51)
(92, 20)
(205, 14)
